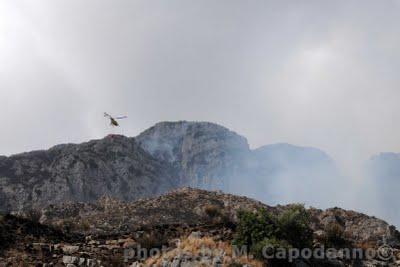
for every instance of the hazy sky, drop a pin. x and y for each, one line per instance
(314, 73)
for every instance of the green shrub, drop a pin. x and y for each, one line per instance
(257, 230)
(253, 228)
(294, 226)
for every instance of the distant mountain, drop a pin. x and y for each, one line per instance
(383, 177)
(168, 155)
(385, 165)
(296, 174)
(286, 156)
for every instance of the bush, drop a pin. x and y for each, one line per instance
(334, 235)
(289, 229)
(253, 228)
(293, 226)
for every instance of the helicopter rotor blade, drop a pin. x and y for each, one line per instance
(120, 118)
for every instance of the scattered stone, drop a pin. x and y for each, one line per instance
(70, 260)
(70, 249)
(195, 235)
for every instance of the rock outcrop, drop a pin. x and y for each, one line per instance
(116, 166)
(204, 154)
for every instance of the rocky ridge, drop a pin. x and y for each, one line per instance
(102, 233)
(116, 166)
(190, 206)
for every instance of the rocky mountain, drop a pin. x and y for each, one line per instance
(115, 166)
(169, 155)
(204, 154)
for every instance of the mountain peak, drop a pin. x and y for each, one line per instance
(203, 154)
(169, 141)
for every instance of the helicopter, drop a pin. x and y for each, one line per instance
(114, 120)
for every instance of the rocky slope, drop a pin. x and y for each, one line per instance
(189, 206)
(106, 232)
(115, 166)
(185, 206)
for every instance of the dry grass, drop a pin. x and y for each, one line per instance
(195, 246)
